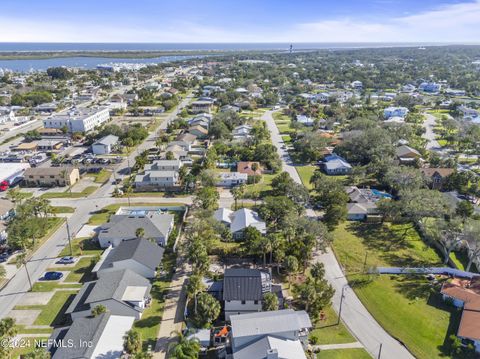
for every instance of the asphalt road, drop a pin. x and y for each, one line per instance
(45, 256)
(429, 135)
(355, 316)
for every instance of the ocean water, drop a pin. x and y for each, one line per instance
(25, 65)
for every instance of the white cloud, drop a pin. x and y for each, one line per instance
(449, 23)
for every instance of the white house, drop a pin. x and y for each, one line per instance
(305, 120)
(105, 145)
(336, 165)
(78, 119)
(395, 112)
(357, 85)
(274, 334)
(157, 180)
(231, 179)
(240, 220)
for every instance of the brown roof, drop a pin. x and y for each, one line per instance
(246, 167)
(199, 129)
(48, 171)
(26, 146)
(470, 325)
(443, 172)
(186, 137)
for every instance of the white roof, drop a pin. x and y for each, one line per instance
(337, 163)
(110, 343)
(134, 293)
(233, 175)
(223, 215)
(286, 349)
(244, 218)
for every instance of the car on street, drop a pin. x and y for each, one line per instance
(66, 260)
(52, 276)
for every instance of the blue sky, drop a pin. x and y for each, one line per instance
(240, 21)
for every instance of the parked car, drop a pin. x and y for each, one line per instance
(52, 276)
(4, 257)
(66, 260)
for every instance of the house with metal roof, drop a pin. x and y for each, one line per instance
(92, 337)
(156, 226)
(140, 255)
(334, 165)
(244, 288)
(105, 145)
(244, 218)
(123, 292)
(275, 334)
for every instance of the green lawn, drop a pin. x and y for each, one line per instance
(328, 332)
(27, 345)
(82, 246)
(100, 177)
(149, 324)
(81, 272)
(287, 139)
(67, 194)
(264, 185)
(404, 305)
(344, 354)
(54, 312)
(62, 209)
(46, 286)
(305, 173)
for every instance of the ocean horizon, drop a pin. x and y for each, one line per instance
(149, 46)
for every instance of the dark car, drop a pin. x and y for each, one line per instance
(4, 257)
(52, 276)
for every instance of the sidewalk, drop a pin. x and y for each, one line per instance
(172, 318)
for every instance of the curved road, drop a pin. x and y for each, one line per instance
(355, 316)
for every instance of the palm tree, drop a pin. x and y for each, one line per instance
(132, 342)
(140, 232)
(184, 348)
(238, 192)
(194, 287)
(21, 260)
(99, 309)
(254, 169)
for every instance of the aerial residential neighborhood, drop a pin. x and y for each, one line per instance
(240, 180)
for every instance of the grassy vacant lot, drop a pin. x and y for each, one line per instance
(262, 186)
(404, 305)
(82, 246)
(100, 177)
(102, 215)
(344, 354)
(305, 173)
(283, 122)
(328, 332)
(67, 194)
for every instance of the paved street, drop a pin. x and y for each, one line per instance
(44, 257)
(429, 124)
(355, 316)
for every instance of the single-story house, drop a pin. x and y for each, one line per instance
(139, 255)
(123, 292)
(305, 120)
(156, 226)
(361, 211)
(92, 337)
(49, 145)
(246, 167)
(231, 179)
(105, 145)
(336, 165)
(240, 220)
(407, 154)
(395, 112)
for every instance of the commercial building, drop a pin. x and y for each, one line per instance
(78, 119)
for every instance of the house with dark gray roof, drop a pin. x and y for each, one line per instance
(122, 227)
(243, 290)
(122, 292)
(92, 337)
(280, 334)
(139, 255)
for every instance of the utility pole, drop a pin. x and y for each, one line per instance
(69, 238)
(341, 303)
(380, 351)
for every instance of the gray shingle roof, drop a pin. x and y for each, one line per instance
(124, 226)
(242, 284)
(140, 250)
(82, 329)
(286, 349)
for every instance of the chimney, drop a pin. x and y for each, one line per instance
(272, 354)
